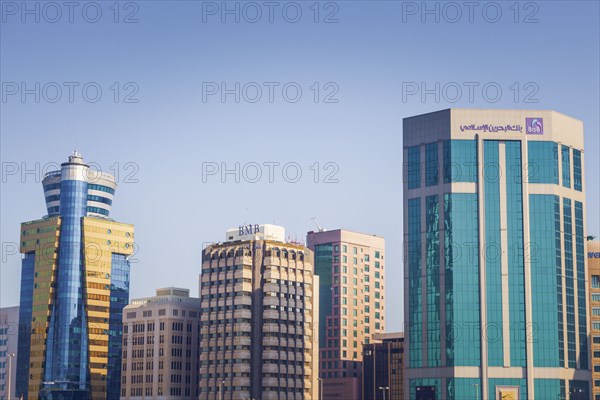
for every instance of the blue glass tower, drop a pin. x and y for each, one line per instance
(74, 285)
(495, 287)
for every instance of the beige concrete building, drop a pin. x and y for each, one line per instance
(9, 330)
(160, 346)
(259, 318)
(350, 266)
(593, 258)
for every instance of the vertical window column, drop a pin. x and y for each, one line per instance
(413, 250)
(413, 167)
(566, 166)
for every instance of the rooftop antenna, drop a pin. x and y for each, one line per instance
(318, 226)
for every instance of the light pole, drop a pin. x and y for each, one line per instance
(476, 390)
(320, 388)
(221, 394)
(10, 357)
(383, 389)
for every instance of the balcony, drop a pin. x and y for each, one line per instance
(271, 301)
(271, 314)
(241, 367)
(270, 355)
(269, 395)
(272, 382)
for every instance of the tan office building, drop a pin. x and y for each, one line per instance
(259, 314)
(350, 266)
(160, 346)
(593, 256)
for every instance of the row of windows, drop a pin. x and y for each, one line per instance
(225, 321)
(336, 249)
(460, 163)
(246, 252)
(97, 210)
(99, 199)
(225, 295)
(226, 282)
(227, 308)
(225, 269)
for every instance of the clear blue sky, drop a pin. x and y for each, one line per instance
(171, 131)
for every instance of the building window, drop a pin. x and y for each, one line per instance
(577, 174)
(431, 164)
(596, 281)
(460, 161)
(542, 166)
(413, 167)
(566, 166)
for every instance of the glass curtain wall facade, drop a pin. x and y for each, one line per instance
(495, 285)
(74, 285)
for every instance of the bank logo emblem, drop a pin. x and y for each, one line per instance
(534, 126)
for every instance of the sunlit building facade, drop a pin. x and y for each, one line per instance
(350, 266)
(161, 346)
(259, 318)
(495, 279)
(74, 285)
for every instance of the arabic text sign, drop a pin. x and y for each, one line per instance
(492, 128)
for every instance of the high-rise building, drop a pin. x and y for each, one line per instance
(260, 309)
(495, 281)
(350, 266)
(593, 256)
(74, 285)
(9, 322)
(160, 346)
(382, 367)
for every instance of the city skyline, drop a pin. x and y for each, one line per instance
(311, 225)
(373, 54)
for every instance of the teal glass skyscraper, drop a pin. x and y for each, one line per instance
(495, 280)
